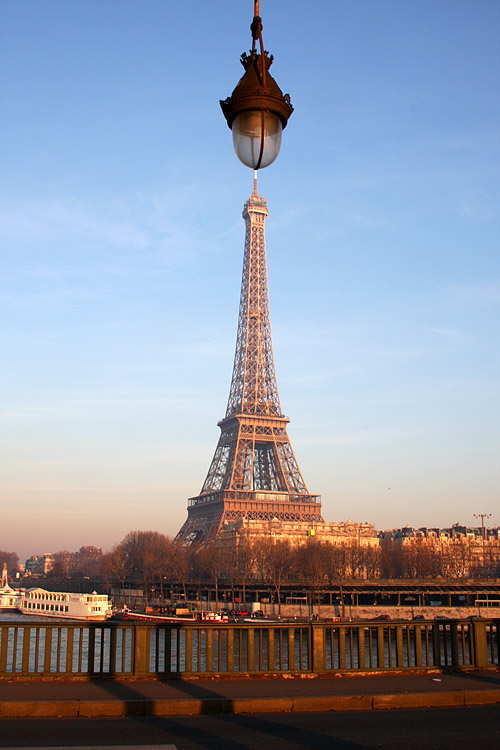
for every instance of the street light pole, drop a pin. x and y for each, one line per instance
(482, 516)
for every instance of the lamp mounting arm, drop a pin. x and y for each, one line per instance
(256, 29)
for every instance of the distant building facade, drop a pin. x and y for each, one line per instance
(464, 551)
(39, 565)
(297, 533)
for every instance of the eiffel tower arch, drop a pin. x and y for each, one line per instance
(254, 473)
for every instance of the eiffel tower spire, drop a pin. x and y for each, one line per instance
(253, 473)
(253, 387)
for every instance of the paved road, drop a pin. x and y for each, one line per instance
(429, 729)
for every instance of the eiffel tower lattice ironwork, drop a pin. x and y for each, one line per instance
(253, 474)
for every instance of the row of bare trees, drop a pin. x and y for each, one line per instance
(158, 561)
(86, 562)
(421, 559)
(155, 560)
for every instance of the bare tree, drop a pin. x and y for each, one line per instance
(312, 565)
(458, 558)
(218, 560)
(116, 566)
(422, 560)
(87, 561)
(354, 558)
(371, 561)
(276, 560)
(245, 558)
(63, 564)
(182, 564)
(337, 564)
(147, 553)
(392, 559)
(158, 559)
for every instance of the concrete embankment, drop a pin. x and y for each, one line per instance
(371, 612)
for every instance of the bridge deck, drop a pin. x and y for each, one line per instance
(176, 697)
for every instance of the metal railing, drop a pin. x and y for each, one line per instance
(128, 650)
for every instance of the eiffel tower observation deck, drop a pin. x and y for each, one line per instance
(254, 473)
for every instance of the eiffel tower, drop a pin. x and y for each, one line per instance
(253, 474)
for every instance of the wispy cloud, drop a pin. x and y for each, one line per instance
(62, 219)
(486, 293)
(92, 405)
(361, 438)
(163, 227)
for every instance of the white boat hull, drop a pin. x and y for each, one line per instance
(65, 605)
(9, 599)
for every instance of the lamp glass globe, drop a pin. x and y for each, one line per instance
(250, 130)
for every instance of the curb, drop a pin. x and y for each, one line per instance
(188, 707)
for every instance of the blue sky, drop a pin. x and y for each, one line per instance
(122, 243)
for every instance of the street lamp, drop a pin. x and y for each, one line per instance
(257, 111)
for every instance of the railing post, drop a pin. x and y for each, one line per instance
(496, 625)
(91, 656)
(230, 650)
(318, 655)
(480, 650)
(168, 650)
(3, 650)
(380, 647)
(26, 651)
(210, 647)
(342, 659)
(188, 650)
(436, 645)
(140, 646)
(399, 646)
(361, 648)
(48, 651)
(69, 650)
(112, 649)
(455, 660)
(270, 650)
(14, 649)
(291, 648)
(417, 629)
(251, 647)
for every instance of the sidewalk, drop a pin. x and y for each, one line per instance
(235, 696)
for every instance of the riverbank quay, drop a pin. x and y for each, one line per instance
(111, 698)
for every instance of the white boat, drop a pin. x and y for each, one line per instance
(92, 607)
(9, 597)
